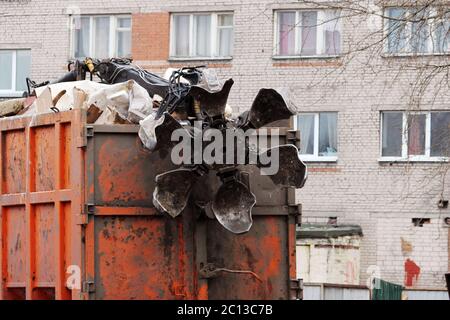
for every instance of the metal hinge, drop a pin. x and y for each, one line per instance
(296, 211)
(88, 287)
(296, 286)
(88, 132)
(89, 210)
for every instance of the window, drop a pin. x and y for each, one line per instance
(422, 30)
(308, 33)
(318, 136)
(101, 37)
(415, 135)
(203, 35)
(15, 67)
(419, 222)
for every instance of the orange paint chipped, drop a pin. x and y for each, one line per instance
(41, 189)
(67, 203)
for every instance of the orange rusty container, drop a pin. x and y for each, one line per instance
(77, 222)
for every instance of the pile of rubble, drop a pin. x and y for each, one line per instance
(106, 104)
(180, 100)
(126, 94)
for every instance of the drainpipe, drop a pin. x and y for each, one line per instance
(447, 279)
(447, 275)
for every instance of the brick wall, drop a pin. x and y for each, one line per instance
(150, 36)
(382, 198)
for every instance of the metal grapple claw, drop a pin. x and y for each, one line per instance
(172, 191)
(291, 171)
(270, 105)
(213, 103)
(232, 206)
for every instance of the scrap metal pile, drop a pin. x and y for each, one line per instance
(191, 100)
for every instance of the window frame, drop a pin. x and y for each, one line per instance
(404, 156)
(409, 26)
(320, 49)
(315, 156)
(13, 92)
(118, 30)
(113, 30)
(215, 28)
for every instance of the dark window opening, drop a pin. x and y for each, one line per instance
(419, 222)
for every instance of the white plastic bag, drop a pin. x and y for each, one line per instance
(147, 130)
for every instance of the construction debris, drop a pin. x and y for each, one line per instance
(79, 98)
(121, 103)
(183, 99)
(112, 116)
(11, 107)
(128, 99)
(93, 113)
(44, 102)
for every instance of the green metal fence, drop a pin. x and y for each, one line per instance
(384, 290)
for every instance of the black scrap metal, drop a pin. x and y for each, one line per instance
(187, 98)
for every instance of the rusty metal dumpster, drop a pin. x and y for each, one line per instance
(77, 222)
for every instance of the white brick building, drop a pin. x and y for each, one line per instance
(355, 185)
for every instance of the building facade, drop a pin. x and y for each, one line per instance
(373, 124)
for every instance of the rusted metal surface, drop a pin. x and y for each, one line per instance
(75, 194)
(133, 251)
(143, 258)
(40, 197)
(263, 251)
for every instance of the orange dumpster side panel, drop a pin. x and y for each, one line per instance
(77, 222)
(41, 195)
(134, 252)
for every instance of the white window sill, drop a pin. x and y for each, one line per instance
(11, 94)
(413, 54)
(413, 159)
(318, 159)
(200, 58)
(298, 57)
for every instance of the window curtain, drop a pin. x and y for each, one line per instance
(226, 42)
(392, 134)
(181, 39)
(420, 31)
(203, 35)
(309, 33)
(6, 69)
(82, 36)
(332, 32)
(416, 134)
(442, 33)
(23, 67)
(287, 33)
(327, 134)
(123, 42)
(397, 33)
(101, 43)
(226, 35)
(440, 134)
(306, 128)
